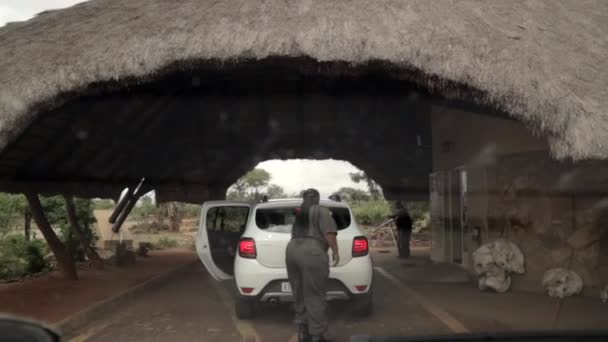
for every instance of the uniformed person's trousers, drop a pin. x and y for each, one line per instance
(404, 243)
(308, 271)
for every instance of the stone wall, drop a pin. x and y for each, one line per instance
(556, 212)
(473, 142)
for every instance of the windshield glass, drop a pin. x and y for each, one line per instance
(153, 154)
(280, 220)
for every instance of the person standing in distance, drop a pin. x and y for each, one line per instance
(314, 232)
(403, 221)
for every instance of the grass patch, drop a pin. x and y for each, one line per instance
(165, 243)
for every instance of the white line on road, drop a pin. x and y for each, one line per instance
(452, 323)
(246, 329)
(87, 334)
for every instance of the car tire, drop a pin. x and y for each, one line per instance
(363, 304)
(245, 308)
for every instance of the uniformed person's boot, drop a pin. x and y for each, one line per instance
(303, 335)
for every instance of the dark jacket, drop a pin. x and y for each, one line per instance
(403, 221)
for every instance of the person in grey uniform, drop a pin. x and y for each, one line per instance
(314, 232)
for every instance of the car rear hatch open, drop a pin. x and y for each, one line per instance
(275, 225)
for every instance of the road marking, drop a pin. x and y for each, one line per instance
(87, 334)
(246, 329)
(452, 323)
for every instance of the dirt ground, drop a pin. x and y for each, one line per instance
(184, 237)
(50, 298)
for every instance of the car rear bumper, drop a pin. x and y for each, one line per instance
(288, 297)
(266, 281)
(336, 290)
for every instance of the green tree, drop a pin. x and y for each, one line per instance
(372, 187)
(56, 212)
(64, 259)
(171, 211)
(10, 212)
(275, 191)
(250, 186)
(146, 210)
(352, 195)
(191, 210)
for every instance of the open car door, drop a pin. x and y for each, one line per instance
(220, 227)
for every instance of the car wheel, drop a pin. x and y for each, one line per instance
(245, 308)
(364, 305)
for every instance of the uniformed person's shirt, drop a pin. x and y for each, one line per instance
(321, 222)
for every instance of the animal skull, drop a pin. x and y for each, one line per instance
(560, 282)
(495, 261)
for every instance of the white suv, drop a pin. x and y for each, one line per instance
(249, 241)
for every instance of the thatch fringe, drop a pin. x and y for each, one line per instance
(545, 62)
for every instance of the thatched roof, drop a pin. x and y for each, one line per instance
(544, 62)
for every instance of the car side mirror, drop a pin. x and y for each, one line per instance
(17, 330)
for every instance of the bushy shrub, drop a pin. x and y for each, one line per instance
(12, 266)
(165, 242)
(149, 228)
(19, 257)
(372, 212)
(34, 255)
(191, 210)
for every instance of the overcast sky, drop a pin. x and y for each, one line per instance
(326, 176)
(293, 175)
(19, 10)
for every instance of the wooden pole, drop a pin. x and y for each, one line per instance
(84, 242)
(64, 259)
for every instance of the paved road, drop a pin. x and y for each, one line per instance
(196, 308)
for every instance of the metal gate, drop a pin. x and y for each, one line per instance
(448, 214)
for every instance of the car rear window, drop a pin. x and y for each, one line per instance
(280, 220)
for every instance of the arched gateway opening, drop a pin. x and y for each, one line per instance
(191, 133)
(190, 130)
(494, 112)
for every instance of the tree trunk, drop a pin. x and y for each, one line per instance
(175, 217)
(27, 225)
(84, 242)
(64, 259)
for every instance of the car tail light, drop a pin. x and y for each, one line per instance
(360, 246)
(361, 288)
(247, 248)
(247, 290)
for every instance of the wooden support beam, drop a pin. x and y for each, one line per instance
(64, 259)
(89, 251)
